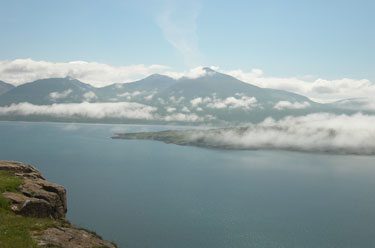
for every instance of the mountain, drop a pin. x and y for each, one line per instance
(5, 87)
(152, 84)
(49, 91)
(214, 98)
(223, 86)
(363, 104)
(227, 99)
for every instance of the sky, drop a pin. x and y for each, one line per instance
(281, 44)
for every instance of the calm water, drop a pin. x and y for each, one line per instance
(150, 194)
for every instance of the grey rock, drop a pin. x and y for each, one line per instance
(36, 197)
(69, 237)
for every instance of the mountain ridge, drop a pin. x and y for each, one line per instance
(5, 87)
(213, 97)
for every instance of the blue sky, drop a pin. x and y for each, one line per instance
(330, 39)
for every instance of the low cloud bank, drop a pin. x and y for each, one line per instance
(21, 71)
(118, 110)
(234, 102)
(184, 117)
(291, 105)
(320, 90)
(362, 104)
(323, 132)
(87, 110)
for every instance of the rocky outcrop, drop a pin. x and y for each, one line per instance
(20, 169)
(69, 237)
(38, 197)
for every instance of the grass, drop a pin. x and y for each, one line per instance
(15, 230)
(9, 182)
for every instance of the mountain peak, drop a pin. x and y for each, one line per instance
(157, 76)
(208, 70)
(5, 87)
(70, 78)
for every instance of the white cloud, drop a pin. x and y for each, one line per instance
(171, 109)
(289, 105)
(358, 104)
(130, 95)
(240, 101)
(196, 101)
(320, 90)
(185, 109)
(88, 110)
(88, 96)
(178, 23)
(149, 97)
(245, 76)
(321, 132)
(173, 99)
(192, 73)
(21, 71)
(184, 117)
(120, 110)
(119, 86)
(244, 102)
(58, 95)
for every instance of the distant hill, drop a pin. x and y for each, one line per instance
(225, 86)
(214, 98)
(48, 91)
(151, 84)
(5, 87)
(362, 104)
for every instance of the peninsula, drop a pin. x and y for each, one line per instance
(292, 134)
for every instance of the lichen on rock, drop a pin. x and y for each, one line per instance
(70, 237)
(38, 198)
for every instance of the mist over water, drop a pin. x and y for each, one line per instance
(321, 132)
(151, 194)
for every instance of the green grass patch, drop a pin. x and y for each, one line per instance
(15, 230)
(9, 182)
(3, 203)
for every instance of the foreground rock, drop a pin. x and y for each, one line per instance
(39, 198)
(69, 237)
